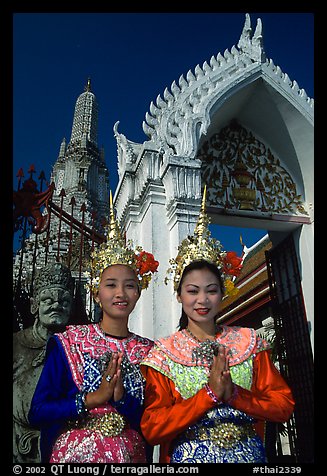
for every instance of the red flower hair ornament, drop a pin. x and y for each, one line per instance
(146, 263)
(232, 264)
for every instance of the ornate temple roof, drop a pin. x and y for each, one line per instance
(176, 121)
(170, 119)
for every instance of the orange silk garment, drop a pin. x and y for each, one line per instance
(166, 413)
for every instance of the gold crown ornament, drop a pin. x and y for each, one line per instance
(202, 246)
(115, 250)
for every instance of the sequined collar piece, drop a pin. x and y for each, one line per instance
(90, 340)
(182, 348)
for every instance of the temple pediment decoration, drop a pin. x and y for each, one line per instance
(242, 173)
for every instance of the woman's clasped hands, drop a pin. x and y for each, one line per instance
(111, 386)
(220, 380)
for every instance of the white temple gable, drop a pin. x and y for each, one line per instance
(176, 122)
(160, 181)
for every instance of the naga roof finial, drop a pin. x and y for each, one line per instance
(252, 46)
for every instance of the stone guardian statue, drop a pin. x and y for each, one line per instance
(51, 303)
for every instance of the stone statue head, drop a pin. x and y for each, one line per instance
(53, 295)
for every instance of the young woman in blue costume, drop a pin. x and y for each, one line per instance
(89, 398)
(209, 388)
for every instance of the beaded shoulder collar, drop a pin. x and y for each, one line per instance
(91, 339)
(184, 349)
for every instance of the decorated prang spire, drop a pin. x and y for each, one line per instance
(80, 168)
(85, 122)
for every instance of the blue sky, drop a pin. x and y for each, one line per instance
(131, 58)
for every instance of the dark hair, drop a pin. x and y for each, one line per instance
(201, 264)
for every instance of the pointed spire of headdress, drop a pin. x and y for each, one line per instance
(203, 220)
(113, 228)
(203, 247)
(115, 251)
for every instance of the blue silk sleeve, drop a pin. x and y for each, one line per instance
(54, 396)
(53, 402)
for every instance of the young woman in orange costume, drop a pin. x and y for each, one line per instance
(209, 388)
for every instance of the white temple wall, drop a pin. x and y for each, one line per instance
(148, 228)
(306, 251)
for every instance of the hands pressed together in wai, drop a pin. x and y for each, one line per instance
(111, 384)
(220, 380)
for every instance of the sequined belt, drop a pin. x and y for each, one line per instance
(225, 435)
(109, 424)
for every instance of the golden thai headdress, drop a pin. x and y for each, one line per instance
(115, 250)
(202, 246)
